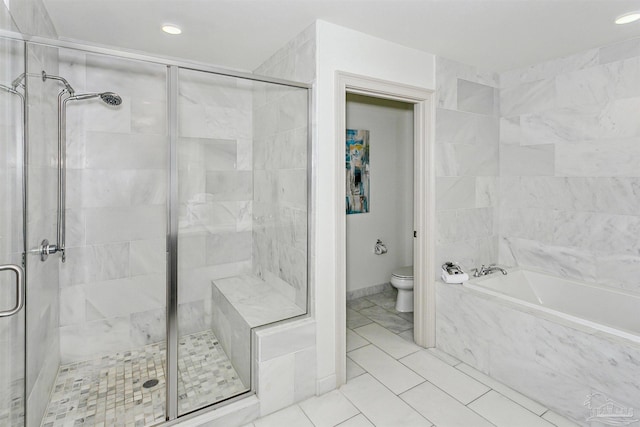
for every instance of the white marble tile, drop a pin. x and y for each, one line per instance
(388, 371)
(611, 157)
(460, 127)
(291, 416)
(379, 405)
(355, 341)
(455, 192)
(445, 357)
(520, 399)
(126, 151)
(255, 300)
(119, 224)
(386, 340)
(619, 51)
(503, 412)
(446, 377)
(466, 159)
(486, 191)
(276, 389)
(440, 408)
(516, 160)
(550, 69)
(510, 130)
(285, 339)
(305, 373)
(95, 263)
(559, 260)
(558, 420)
(357, 421)
(329, 409)
(476, 98)
(353, 369)
(147, 256)
(528, 97)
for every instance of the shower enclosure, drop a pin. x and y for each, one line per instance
(159, 212)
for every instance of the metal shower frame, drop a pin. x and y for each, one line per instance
(173, 65)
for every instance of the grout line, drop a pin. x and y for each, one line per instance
(304, 413)
(483, 394)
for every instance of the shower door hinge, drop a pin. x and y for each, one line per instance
(415, 233)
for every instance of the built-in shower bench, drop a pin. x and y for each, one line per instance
(240, 303)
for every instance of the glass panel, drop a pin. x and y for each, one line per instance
(11, 232)
(242, 251)
(103, 361)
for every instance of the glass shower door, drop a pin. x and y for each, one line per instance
(12, 322)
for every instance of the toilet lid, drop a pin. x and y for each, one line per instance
(403, 272)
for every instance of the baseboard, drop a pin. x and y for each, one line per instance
(371, 290)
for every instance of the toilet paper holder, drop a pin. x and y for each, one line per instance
(380, 248)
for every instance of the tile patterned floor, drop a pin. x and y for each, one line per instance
(109, 391)
(393, 382)
(13, 414)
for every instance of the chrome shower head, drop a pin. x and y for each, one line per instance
(111, 98)
(108, 98)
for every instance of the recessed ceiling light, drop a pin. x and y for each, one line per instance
(171, 29)
(628, 18)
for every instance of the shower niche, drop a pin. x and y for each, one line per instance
(181, 212)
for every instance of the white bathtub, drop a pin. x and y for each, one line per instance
(554, 340)
(609, 310)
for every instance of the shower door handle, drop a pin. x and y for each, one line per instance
(19, 271)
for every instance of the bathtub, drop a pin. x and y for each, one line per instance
(568, 345)
(608, 310)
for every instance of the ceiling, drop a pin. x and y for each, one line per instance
(493, 35)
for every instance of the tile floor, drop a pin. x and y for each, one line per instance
(393, 382)
(109, 391)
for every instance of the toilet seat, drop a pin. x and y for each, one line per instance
(403, 272)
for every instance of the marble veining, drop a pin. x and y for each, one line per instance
(564, 362)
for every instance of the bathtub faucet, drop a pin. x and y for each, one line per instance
(483, 271)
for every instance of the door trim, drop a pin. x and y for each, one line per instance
(424, 205)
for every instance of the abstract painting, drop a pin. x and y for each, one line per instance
(357, 163)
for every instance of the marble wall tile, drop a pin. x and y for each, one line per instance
(549, 69)
(228, 247)
(148, 327)
(531, 97)
(454, 126)
(618, 270)
(455, 192)
(562, 261)
(82, 342)
(466, 160)
(476, 98)
(106, 150)
(120, 297)
(105, 225)
(517, 160)
(487, 191)
(95, 263)
(510, 132)
(147, 256)
(606, 158)
(276, 383)
(619, 51)
(229, 185)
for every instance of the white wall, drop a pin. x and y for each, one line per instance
(342, 49)
(390, 218)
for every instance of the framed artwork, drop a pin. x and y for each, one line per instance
(357, 164)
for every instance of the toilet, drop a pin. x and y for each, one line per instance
(402, 280)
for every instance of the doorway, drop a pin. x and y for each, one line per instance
(379, 204)
(423, 205)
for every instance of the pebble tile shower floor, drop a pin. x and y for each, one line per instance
(109, 391)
